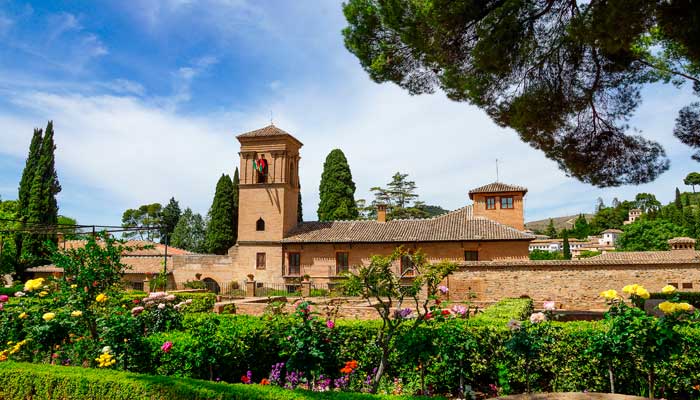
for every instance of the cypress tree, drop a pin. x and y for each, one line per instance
(220, 233)
(236, 190)
(300, 211)
(43, 207)
(677, 201)
(566, 247)
(337, 190)
(190, 232)
(25, 186)
(169, 218)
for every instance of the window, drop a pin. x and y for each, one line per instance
(294, 264)
(506, 202)
(687, 285)
(260, 167)
(470, 255)
(260, 261)
(341, 262)
(490, 203)
(675, 285)
(260, 225)
(407, 267)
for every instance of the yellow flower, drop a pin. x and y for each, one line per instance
(684, 307)
(23, 315)
(609, 294)
(630, 289)
(76, 314)
(643, 293)
(73, 286)
(667, 307)
(101, 298)
(668, 289)
(43, 293)
(48, 316)
(105, 360)
(33, 284)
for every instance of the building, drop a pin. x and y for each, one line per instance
(609, 237)
(142, 258)
(632, 215)
(274, 248)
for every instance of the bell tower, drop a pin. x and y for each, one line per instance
(269, 185)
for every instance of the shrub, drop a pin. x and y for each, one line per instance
(195, 285)
(43, 382)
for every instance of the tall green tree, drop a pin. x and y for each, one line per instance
(647, 202)
(337, 189)
(169, 218)
(148, 216)
(220, 233)
(551, 229)
(190, 232)
(25, 187)
(692, 179)
(43, 207)
(400, 198)
(648, 235)
(581, 228)
(300, 210)
(677, 201)
(565, 75)
(236, 194)
(566, 247)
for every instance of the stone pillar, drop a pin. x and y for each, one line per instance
(250, 286)
(305, 289)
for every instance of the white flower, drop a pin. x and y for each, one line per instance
(549, 306)
(20, 294)
(106, 350)
(161, 306)
(537, 318)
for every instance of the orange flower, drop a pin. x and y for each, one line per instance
(349, 367)
(352, 364)
(264, 381)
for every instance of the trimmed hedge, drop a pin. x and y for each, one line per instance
(39, 382)
(690, 297)
(201, 302)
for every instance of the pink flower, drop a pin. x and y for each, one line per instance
(136, 311)
(443, 289)
(2, 306)
(3, 298)
(549, 306)
(167, 346)
(459, 309)
(330, 324)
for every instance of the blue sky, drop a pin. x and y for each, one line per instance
(147, 97)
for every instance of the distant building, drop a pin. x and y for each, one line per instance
(632, 215)
(609, 237)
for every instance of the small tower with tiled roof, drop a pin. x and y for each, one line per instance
(269, 184)
(500, 202)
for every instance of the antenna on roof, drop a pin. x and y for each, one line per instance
(497, 170)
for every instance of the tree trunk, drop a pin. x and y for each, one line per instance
(612, 379)
(651, 383)
(380, 370)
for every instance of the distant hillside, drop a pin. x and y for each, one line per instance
(559, 222)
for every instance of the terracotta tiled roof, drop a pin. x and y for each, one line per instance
(136, 264)
(268, 131)
(678, 240)
(613, 258)
(497, 187)
(673, 255)
(612, 231)
(138, 248)
(457, 225)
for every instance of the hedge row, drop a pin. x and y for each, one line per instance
(39, 382)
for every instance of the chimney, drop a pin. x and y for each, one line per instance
(682, 243)
(381, 212)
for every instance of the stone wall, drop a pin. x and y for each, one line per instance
(512, 217)
(572, 284)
